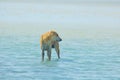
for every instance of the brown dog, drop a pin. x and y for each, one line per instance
(48, 41)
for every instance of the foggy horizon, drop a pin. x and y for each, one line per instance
(88, 17)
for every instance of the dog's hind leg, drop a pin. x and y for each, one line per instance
(43, 55)
(49, 54)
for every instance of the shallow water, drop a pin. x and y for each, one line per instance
(89, 59)
(90, 31)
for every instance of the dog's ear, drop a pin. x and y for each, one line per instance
(54, 33)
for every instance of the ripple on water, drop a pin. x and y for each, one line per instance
(80, 60)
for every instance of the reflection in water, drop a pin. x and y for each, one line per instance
(52, 63)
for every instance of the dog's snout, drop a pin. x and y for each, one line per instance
(60, 39)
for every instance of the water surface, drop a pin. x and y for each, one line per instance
(90, 49)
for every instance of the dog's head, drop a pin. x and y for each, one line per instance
(55, 36)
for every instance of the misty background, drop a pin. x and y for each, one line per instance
(70, 18)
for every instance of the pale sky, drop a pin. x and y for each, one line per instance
(39, 16)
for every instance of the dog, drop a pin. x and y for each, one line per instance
(48, 41)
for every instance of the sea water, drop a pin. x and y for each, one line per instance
(20, 58)
(90, 31)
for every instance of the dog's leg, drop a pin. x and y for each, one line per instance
(43, 55)
(49, 54)
(57, 50)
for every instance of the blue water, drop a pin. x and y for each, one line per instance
(81, 59)
(90, 30)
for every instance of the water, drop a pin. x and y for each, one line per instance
(90, 31)
(89, 59)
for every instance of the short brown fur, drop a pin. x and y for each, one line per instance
(48, 40)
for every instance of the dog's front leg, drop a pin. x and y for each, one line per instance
(57, 50)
